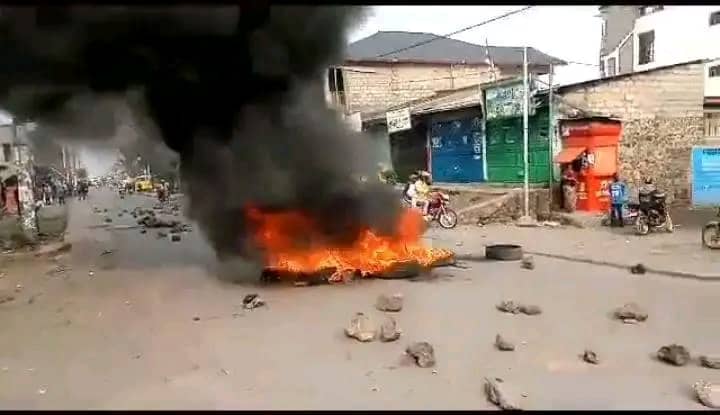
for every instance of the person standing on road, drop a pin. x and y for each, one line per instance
(618, 198)
(569, 185)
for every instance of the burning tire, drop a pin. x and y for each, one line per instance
(504, 252)
(448, 219)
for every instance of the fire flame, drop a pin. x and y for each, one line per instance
(290, 241)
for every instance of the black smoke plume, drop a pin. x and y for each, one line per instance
(235, 91)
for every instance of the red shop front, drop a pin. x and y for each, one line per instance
(591, 148)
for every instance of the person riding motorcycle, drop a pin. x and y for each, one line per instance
(422, 190)
(648, 186)
(409, 191)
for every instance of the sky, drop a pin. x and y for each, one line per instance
(571, 33)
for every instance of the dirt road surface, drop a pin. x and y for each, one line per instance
(149, 327)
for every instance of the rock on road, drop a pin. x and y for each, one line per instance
(152, 328)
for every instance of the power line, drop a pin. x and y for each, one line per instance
(464, 29)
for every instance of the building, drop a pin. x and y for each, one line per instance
(391, 68)
(471, 135)
(639, 38)
(661, 110)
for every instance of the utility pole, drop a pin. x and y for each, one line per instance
(551, 133)
(526, 184)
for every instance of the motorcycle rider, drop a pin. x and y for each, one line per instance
(648, 186)
(409, 192)
(422, 189)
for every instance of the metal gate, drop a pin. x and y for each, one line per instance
(457, 150)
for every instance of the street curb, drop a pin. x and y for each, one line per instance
(48, 250)
(674, 274)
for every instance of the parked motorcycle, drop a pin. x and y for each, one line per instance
(652, 213)
(711, 234)
(439, 210)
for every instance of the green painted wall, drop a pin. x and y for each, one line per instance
(505, 148)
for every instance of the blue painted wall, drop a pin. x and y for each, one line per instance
(457, 150)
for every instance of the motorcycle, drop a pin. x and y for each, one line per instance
(711, 233)
(439, 210)
(652, 213)
(630, 214)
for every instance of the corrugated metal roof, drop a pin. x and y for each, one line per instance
(440, 49)
(442, 101)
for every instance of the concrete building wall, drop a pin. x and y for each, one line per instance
(662, 115)
(618, 21)
(625, 58)
(682, 34)
(712, 83)
(378, 86)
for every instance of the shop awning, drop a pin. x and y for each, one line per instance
(567, 155)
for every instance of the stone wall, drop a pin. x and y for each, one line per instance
(379, 86)
(662, 115)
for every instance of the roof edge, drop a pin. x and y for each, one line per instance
(627, 75)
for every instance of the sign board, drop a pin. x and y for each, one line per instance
(398, 120)
(353, 121)
(506, 101)
(705, 176)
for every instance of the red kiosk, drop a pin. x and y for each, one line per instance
(591, 147)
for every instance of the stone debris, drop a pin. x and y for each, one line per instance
(108, 220)
(638, 269)
(161, 235)
(175, 237)
(674, 354)
(18, 288)
(710, 362)
(252, 301)
(361, 328)
(107, 252)
(512, 307)
(528, 263)
(503, 345)
(392, 303)
(708, 393)
(590, 357)
(497, 393)
(6, 298)
(423, 354)
(389, 332)
(631, 311)
(58, 270)
(143, 231)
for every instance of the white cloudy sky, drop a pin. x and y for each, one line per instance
(571, 33)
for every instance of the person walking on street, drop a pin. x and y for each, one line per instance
(618, 198)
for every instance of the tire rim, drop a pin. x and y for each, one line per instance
(447, 219)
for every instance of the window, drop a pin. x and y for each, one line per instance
(611, 67)
(714, 18)
(714, 71)
(7, 152)
(712, 124)
(646, 52)
(336, 85)
(602, 68)
(645, 10)
(604, 28)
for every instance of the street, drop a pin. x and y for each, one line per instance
(148, 326)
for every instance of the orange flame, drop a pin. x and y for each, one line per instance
(291, 242)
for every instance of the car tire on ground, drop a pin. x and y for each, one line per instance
(504, 252)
